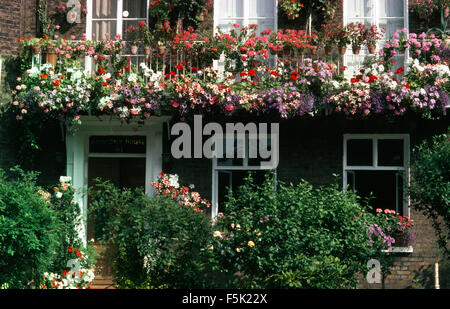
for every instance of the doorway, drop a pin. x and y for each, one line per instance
(123, 173)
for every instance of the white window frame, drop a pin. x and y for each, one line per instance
(119, 25)
(376, 21)
(216, 168)
(375, 167)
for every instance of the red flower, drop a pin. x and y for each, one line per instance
(372, 78)
(44, 76)
(274, 73)
(354, 80)
(180, 67)
(243, 74)
(407, 86)
(399, 71)
(195, 69)
(70, 249)
(78, 253)
(251, 72)
(294, 78)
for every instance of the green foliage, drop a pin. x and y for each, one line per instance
(29, 231)
(430, 184)
(270, 238)
(158, 243)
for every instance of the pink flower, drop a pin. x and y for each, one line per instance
(379, 210)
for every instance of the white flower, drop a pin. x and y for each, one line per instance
(132, 78)
(58, 195)
(173, 181)
(65, 179)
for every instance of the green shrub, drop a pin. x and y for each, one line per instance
(158, 243)
(294, 236)
(430, 185)
(29, 231)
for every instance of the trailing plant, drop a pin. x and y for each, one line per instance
(159, 242)
(430, 185)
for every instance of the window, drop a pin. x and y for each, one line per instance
(113, 17)
(232, 164)
(377, 165)
(391, 15)
(245, 12)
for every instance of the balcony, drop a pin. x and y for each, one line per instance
(238, 72)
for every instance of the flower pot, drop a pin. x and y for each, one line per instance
(134, 49)
(328, 50)
(356, 49)
(313, 50)
(36, 49)
(372, 49)
(147, 50)
(342, 50)
(161, 49)
(52, 58)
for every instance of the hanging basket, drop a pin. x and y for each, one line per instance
(356, 49)
(313, 50)
(328, 50)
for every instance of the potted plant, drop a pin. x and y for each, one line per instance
(343, 38)
(146, 37)
(358, 34)
(314, 42)
(34, 44)
(133, 37)
(374, 34)
(328, 37)
(291, 8)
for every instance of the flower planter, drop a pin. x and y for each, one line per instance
(134, 49)
(52, 58)
(372, 49)
(342, 50)
(36, 49)
(356, 50)
(313, 50)
(161, 50)
(328, 50)
(147, 50)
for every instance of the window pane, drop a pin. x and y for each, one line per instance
(391, 26)
(101, 27)
(135, 8)
(230, 8)
(384, 188)
(359, 8)
(390, 8)
(104, 9)
(359, 152)
(390, 152)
